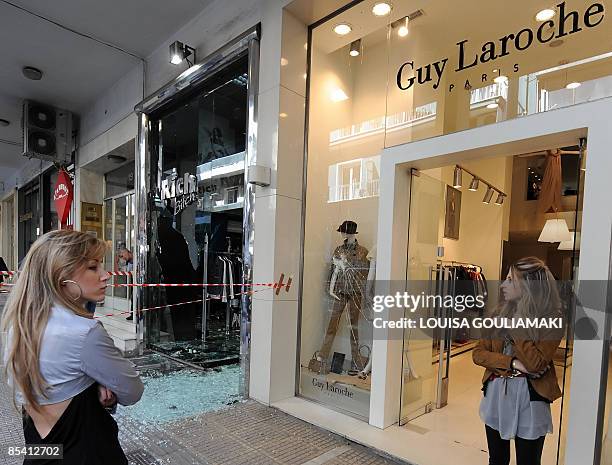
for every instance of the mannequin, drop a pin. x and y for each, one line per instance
(346, 287)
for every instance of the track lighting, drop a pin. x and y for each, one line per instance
(457, 178)
(355, 48)
(475, 182)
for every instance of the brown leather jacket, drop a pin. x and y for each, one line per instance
(536, 356)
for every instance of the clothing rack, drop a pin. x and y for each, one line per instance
(455, 263)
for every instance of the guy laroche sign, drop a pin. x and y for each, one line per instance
(569, 23)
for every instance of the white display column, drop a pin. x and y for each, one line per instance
(278, 217)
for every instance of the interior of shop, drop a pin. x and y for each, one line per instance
(197, 222)
(475, 236)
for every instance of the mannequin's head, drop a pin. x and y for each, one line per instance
(350, 238)
(348, 229)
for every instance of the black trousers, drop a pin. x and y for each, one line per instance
(528, 451)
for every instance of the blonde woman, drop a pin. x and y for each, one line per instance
(519, 381)
(61, 363)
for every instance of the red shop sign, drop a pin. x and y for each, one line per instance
(62, 196)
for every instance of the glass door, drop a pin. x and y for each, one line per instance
(119, 236)
(198, 180)
(420, 377)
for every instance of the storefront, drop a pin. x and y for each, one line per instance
(37, 210)
(412, 119)
(194, 210)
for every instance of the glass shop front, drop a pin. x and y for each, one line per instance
(192, 215)
(417, 70)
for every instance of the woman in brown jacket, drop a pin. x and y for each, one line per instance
(519, 382)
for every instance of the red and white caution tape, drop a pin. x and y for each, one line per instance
(120, 273)
(159, 307)
(273, 285)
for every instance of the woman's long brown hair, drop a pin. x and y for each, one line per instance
(539, 294)
(53, 258)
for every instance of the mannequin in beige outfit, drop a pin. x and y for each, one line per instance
(350, 267)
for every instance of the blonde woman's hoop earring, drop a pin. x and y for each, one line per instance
(77, 285)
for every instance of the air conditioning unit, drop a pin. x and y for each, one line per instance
(47, 133)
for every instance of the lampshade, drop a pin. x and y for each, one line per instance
(569, 245)
(555, 231)
(474, 184)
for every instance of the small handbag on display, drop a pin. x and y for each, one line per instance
(317, 364)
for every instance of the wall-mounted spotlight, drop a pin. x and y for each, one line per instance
(402, 24)
(403, 29)
(488, 195)
(180, 51)
(474, 184)
(500, 199)
(355, 48)
(457, 178)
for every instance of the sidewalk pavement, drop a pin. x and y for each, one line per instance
(246, 433)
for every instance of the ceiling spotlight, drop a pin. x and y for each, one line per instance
(403, 29)
(545, 15)
(32, 73)
(355, 48)
(501, 79)
(284, 62)
(474, 184)
(381, 9)
(492, 105)
(500, 199)
(573, 85)
(283, 115)
(342, 29)
(180, 51)
(488, 195)
(457, 178)
(4, 123)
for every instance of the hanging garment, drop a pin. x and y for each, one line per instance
(224, 280)
(549, 199)
(231, 277)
